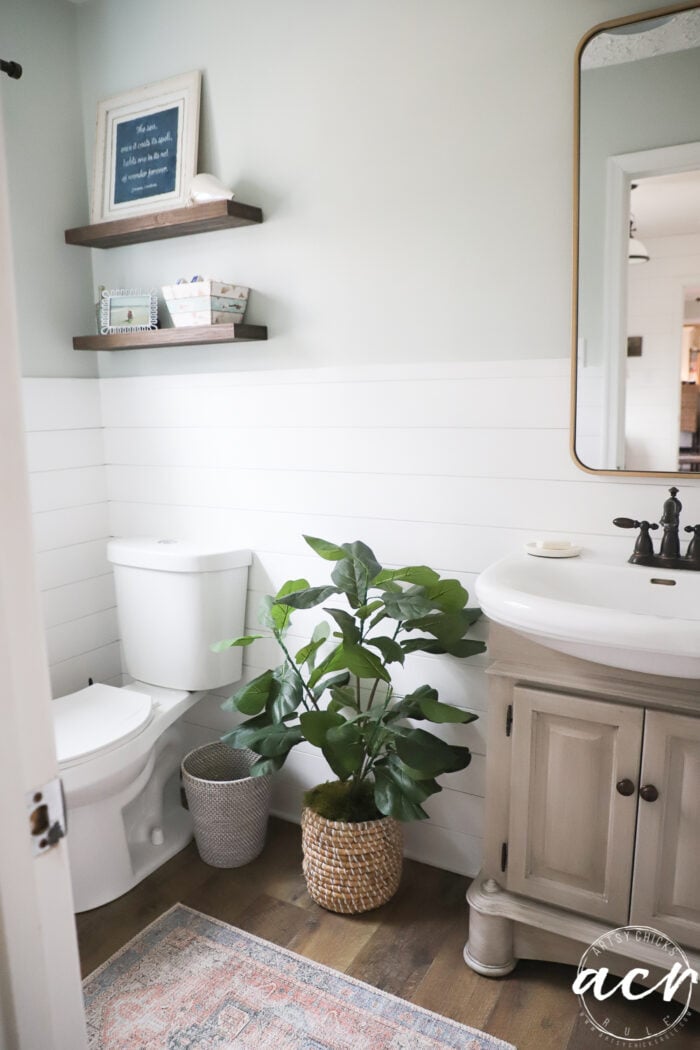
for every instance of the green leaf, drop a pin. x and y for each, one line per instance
(253, 696)
(354, 573)
(447, 627)
(344, 749)
(389, 648)
(307, 598)
(435, 711)
(419, 574)
(263, 767)
(277, 741)
(465, 648)
(307, 654)
(428, 753)
(329, 551)
(347, 624)
(338, 678)
(334, 661)
(415, 789)
(406, 605)
(366, 610)
(422, 644)
(447, 595)
(364, 664)
(342, 696)
(229, 643)
(289, 693)
(274, 613)
(392, 802)
(315, 725)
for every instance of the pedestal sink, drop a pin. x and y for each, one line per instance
(622, 615)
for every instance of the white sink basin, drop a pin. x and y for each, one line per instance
(600, 610)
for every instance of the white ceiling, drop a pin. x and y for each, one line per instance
(667, 205)
(653, 36)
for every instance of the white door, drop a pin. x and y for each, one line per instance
(573, 805)
(666, 892)
(40, 993)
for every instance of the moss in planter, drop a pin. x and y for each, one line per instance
(335, 800)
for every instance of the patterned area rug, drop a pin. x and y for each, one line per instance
(189, 982)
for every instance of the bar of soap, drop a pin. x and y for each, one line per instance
(554, 545)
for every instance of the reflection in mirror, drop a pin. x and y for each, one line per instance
(638, 296)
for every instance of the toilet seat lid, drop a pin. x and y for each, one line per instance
(98, 719)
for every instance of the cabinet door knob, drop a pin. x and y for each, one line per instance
(649, 793)
(625, 787)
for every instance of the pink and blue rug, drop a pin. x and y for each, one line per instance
(189, 982)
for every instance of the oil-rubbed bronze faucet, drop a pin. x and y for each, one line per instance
(669, 556)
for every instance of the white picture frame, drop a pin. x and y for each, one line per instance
(128, 310)
(146, 149)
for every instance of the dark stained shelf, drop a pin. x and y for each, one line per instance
(163, 337)
(178, 222)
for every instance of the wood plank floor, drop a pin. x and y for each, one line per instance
(411, 947)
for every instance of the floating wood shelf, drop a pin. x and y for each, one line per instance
(179, 222)
(158, 337)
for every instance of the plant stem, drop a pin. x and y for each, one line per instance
(304, 686)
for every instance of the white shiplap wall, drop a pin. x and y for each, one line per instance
(66, 461)
(449, 465)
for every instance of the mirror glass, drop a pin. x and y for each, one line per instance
(637, 310)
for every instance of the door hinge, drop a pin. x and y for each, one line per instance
(46, 809)
(504, 856)
(509, 719)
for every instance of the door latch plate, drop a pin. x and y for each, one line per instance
(46, 811)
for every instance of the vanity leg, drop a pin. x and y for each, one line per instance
(489, 950)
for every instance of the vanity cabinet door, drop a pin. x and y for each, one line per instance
(666, 889)
(571, 831)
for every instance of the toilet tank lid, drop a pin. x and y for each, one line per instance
(98, 718)
(170, 555)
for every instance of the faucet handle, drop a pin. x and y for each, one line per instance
(643, 548)
(693, 552)
(630, 523)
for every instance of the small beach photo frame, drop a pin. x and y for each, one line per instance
(128, 310)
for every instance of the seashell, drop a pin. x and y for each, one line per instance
(208, 188)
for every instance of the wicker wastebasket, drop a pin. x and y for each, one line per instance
(229, 807)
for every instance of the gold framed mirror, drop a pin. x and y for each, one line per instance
(636, 296)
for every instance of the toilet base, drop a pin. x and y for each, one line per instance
(116, 838)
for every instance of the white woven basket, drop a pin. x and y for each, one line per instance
(229, 808)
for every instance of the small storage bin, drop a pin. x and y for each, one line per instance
(205, 303)
(229, 807)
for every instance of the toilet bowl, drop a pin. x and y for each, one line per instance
(119, 749)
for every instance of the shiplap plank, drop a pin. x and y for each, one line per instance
(69, 487)
(61, 404)
(66, 640)
(102, 665)
(64, 565)
(76, 600)
(56, 529)
(490, 503)
(503, 401)
(60, 449)
(447, 451)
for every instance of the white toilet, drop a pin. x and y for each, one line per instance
(119, 750)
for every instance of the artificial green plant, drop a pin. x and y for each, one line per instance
(336, 692)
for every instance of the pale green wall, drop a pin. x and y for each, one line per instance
(412, 157)
(47, 183)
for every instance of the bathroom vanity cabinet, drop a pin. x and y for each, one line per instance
(592, 809)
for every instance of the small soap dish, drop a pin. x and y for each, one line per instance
(553, 549)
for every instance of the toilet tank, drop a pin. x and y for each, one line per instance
(174, 599)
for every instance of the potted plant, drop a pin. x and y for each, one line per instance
(336, 693)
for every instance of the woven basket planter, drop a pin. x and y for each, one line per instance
(229, 807)
(351, 868)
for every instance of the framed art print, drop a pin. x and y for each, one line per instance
(146, 149)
